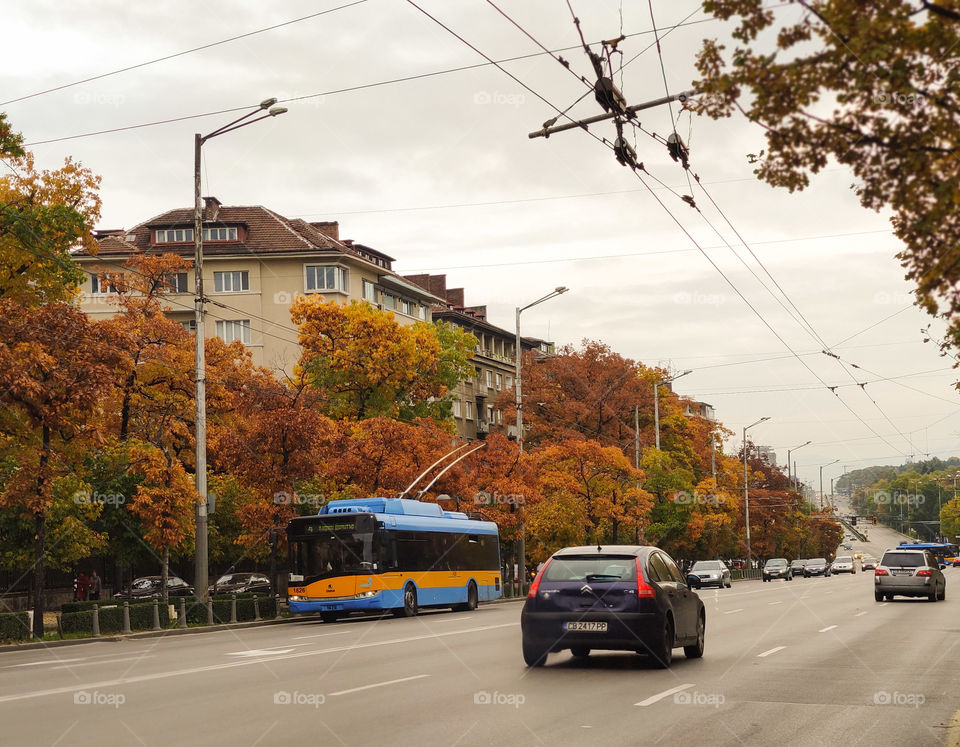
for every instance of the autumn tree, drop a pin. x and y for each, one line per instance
(44, 214)
(56, 367)
(165, 501)
(871, 84)
(590, 493)
(365, 364)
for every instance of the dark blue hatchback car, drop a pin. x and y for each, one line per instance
(613, 597)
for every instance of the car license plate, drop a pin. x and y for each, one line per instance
(902, 573)
(590, 627)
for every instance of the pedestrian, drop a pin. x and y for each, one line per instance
(83, 587)
(96, 586)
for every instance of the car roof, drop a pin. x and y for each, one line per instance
(600, 550)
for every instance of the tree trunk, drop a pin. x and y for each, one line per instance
(164, 575)
(39, 571)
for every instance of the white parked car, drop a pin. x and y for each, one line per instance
(844, 564)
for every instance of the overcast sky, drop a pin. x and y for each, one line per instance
(439, 173)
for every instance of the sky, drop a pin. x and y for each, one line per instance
(439, 173)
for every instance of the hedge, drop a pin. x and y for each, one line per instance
(14, 626)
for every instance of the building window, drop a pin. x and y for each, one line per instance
(389, 302)
(369, 291)
(219, 234)
(404, 307)
(499, 414)
(422, 313)
(174, 235)
(238, 329)
(456, 408)
(468, 408)
(326, 278)
(489, 378)
(190, 326)
(177, 282)
(489, 413)
(99, 285)
(509, 382)
(231, 282)
(499, 381)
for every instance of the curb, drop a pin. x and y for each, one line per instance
(186, 631)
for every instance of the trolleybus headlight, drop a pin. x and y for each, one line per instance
(365, 594)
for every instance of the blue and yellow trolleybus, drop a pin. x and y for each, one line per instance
(395, 554)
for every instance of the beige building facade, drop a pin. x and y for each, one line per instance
(255, 263)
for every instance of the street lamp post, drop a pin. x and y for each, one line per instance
(821, 481)
(656, 403)
(201, 555)
(791, 474)
(519, 403)
(746, 489)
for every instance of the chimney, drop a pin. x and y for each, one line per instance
(211, 208)
(329, 228)
(455, 297)
(438, 285)
(480, 312)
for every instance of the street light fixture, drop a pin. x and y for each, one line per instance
(746, 489)
(560, 289)
(201, 554)
(821, 481)
(791, 473)
(656, 403)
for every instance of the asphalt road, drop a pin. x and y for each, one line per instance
(812, 661)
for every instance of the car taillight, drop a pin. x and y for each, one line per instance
(924, 572)
(643, 588)
(535, 586)
(881, 572)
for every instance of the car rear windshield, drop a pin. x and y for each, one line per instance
(591, 569)
(706, 565)
(903, 559)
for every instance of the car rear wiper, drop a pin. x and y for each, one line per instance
(602, 577)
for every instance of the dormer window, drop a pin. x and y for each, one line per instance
(174, 235)
(220, 234)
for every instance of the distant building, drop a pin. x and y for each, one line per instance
(494, 364)
(256, 262)
(700, 409)
(767, 454)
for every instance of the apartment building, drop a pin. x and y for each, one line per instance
(494, 363)
(255, 263)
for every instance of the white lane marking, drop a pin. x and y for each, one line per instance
(861, 613)
(322, 635)
(241, 663)
(380, 684)
(41, 663)
(261, 652)
(829, 627)
(439, 619)
(108, 661)
(665, 694)
(774, 602)
(731, 612)
(771, 651)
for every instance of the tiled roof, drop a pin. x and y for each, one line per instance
(267, 233)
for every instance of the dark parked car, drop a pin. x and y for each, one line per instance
(816, 567)
(909, 573)
(709, 573)
(238, 583)
(776, 568)
(617, 597)
(151, 586)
